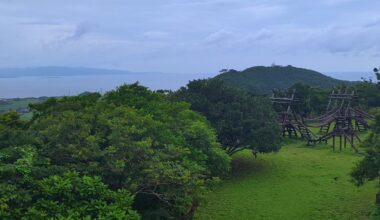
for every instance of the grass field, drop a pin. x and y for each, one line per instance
(296, 183)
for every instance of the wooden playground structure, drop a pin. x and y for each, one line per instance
(341, 122)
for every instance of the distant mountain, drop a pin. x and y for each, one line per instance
(57, 71)
(262, 80)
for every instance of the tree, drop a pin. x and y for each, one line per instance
(12, 130)
(377, 72)
(241, 120)
(312, 99)
(368, 94)
(29, 188)
(71, 196)
(133, 139)
(369, 167)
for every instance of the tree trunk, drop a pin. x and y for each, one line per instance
(191, 212)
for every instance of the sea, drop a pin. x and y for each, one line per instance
(38, 86)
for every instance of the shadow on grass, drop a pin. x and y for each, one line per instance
(245, 164)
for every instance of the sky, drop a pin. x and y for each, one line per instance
(191, 36)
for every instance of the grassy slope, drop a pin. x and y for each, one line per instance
(296, 183)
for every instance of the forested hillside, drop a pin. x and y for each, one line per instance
(261, 79)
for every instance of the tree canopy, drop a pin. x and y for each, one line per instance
(369, 167)
(241, 120)
(130, 149)
(377, 72)
(313, 100)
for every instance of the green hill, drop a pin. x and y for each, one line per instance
(262, 80)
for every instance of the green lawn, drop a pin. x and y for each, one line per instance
(296, 183)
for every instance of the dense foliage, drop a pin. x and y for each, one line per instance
(33, 188)
(368, 94)
(312, 100)
(241, 120)
(262, 80)
(129, 148)
(369, 167)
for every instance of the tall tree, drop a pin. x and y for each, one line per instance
(241, 120)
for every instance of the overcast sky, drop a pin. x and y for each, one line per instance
(189, 36)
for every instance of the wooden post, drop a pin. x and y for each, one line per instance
(334, 142)
(340, 142)
(356, 125)
(345, 141)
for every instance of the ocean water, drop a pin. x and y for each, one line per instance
(352, 76)
(37, 86)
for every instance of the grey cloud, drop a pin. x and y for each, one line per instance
(199, 35)
(81, 30)
(374, 23)
(336, 2)
(263, 35)
(355, 41)
(263, 10)
(41, 23)
(201, 3)
(155, 34)
(218, 37)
